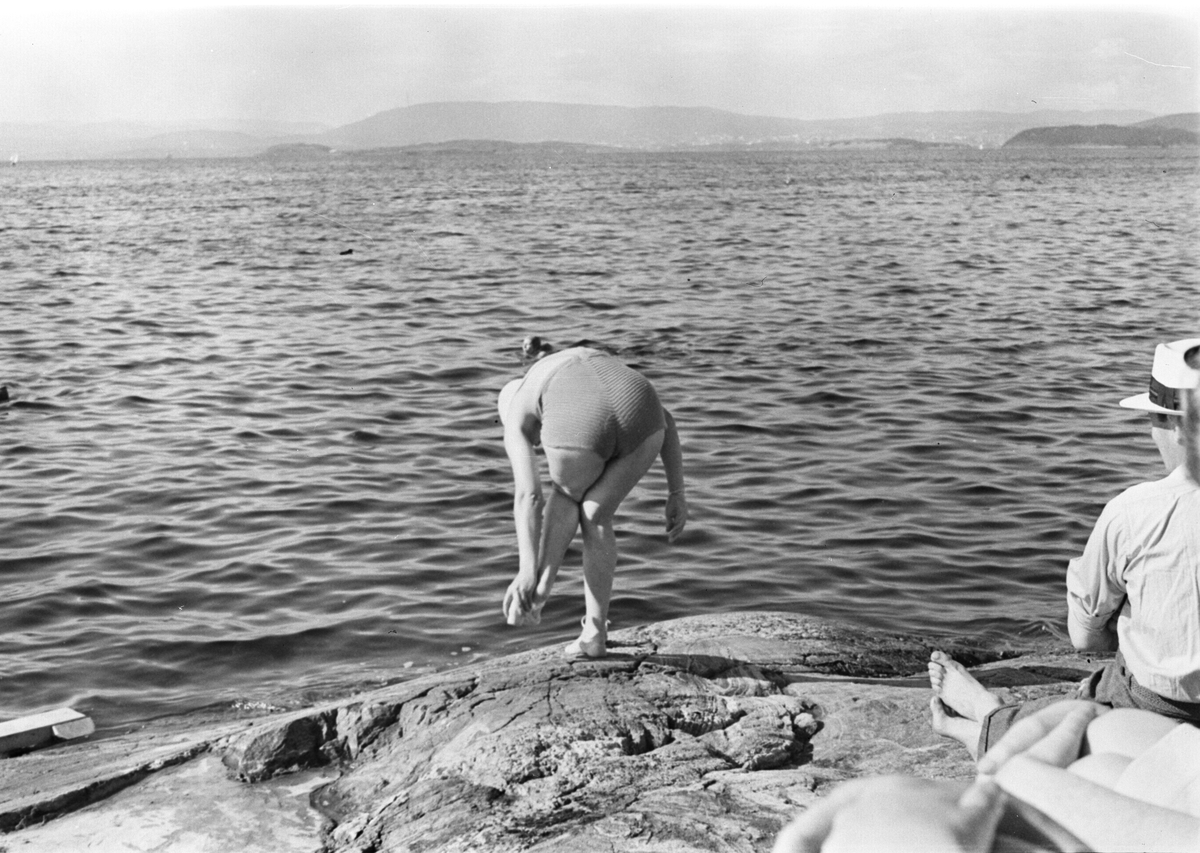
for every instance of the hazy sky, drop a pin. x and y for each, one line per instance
(337, 64)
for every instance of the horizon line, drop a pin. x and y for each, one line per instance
(327, 125)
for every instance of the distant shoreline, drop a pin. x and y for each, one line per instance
(468, 125)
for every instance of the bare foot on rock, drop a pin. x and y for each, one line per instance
(958, 690)
(959, 703)
(948, 724)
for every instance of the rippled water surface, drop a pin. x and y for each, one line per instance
(251, 449)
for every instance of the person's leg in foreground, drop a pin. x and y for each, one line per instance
(1077, 775)
(898, 813)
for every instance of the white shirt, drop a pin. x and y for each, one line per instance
(1142, 561)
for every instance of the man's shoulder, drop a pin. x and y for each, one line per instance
(1144, 496)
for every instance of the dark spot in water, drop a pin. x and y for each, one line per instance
(136, 399)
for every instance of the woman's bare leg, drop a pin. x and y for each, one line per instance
(572, 472)
(597, 509)
(559, 523)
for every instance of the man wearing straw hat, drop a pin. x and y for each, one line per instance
(1135, 589)
(1039, 788)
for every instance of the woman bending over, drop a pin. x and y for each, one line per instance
(600, 425)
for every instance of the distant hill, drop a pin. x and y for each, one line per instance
(1142, 134)
(192, 143)
(526, 121)
(297, 151)
(1182, 121)
(479, 146)
(120, 139)
(311, 151)
(900, 142)
(680, 127)
(554, 124)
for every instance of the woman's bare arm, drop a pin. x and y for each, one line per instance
(528, 505)
(672, 459)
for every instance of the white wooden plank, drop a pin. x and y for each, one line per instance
(40, 729)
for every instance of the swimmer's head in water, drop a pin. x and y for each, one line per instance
(507, 393)
(535, 347)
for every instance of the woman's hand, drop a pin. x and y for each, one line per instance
(520, 594)
(676, 515)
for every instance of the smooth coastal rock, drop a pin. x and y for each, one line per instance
(699, 734)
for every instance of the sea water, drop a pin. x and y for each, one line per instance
(251, 452)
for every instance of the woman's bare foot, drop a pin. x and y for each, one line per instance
(591, 643)
(958, 690)
(959, 728)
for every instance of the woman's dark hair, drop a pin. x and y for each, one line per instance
(535, 347)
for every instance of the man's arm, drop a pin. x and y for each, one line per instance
(1087, 638)
(1096, 588)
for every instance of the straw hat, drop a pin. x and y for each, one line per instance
(1170, 376)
